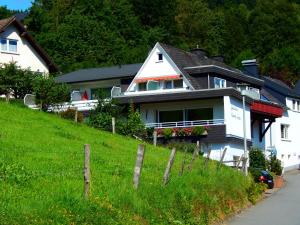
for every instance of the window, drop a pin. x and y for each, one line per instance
(142, 86)
(178, 83)
(153, 85)
(199, 114)
(160, 56)
(170, 116)
(219, 83)
(9, 45)
(168, 84)
(284, 131)
(296, 105)
(12, 45)
(3, 45)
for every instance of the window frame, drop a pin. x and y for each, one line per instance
(284, 131)
(222, 80)
(8, 45)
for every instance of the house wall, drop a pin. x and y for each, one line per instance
(148, 111)
(26, 56)
(288, 151)
(233, 115)
(232, 150)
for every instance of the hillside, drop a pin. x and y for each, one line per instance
(41, 179)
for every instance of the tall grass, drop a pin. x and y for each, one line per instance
(41, 179)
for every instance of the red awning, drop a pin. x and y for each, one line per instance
(157, 78)
(266, 109)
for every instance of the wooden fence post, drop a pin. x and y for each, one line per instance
(86, 170)
(183, 163)
(76, 115)
(207, 157)
(169, 166)
(195, 153)
(155, 137)
(113, 123)
(239, 161)
(222, 157)
(138, 165)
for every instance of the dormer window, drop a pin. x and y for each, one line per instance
(9, 45)
(219, 83)
(160, 57)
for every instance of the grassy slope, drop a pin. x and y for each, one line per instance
(51, 151)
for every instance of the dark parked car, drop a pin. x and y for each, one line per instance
(266, 178)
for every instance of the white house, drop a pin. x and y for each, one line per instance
(17, 45)
(179, 89)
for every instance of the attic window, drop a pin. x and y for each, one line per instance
(160, 57)
(9, 45)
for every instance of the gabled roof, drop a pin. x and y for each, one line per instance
(4, 23)
(104, 73)
(278, 87)
(190, 63)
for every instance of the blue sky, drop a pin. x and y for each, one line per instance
(16, 4)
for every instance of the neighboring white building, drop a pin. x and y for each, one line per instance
(17, 45)
(181, 90)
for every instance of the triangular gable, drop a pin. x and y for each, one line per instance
(4, 23)
(155, 69)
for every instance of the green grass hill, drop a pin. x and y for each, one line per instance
(41, 177)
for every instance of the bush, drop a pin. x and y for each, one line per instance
(275, 165)
(69, 114)
(181, 133)
(182, 146)
(198, 131)
(257, 159)
(167, 132)
(48, 93)
(255, 190)
(135, 125)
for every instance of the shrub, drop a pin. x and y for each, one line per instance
(48, 93)
(135, 125)
(15, 80)
(182, 146)
(167, 132)
(101, 121)
(257, 159)
(181, 133)
(275, 165)
(198, 131)
(69, 114)
(149, 132)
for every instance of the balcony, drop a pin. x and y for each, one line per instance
(179, 124)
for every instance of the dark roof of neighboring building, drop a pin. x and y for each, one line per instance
(190, 63)
(104, 73)
(178, 96)
(4, 23)
(279, 88)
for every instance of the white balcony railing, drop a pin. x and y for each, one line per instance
(186, 123)
(85, 105)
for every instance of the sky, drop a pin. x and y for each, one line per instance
(16, 4)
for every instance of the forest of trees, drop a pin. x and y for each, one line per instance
(81, 34)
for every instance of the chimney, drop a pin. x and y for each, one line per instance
(250, 67)
(218, 58)
(201, 53)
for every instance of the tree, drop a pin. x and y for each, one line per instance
(49, 93)
(16, 81)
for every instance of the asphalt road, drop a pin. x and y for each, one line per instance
(281, 208)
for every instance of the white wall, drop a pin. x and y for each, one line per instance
(233, 115)
(152, 67)
(26, 56)
(232, 150)
(150, 109)
(288, 151)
